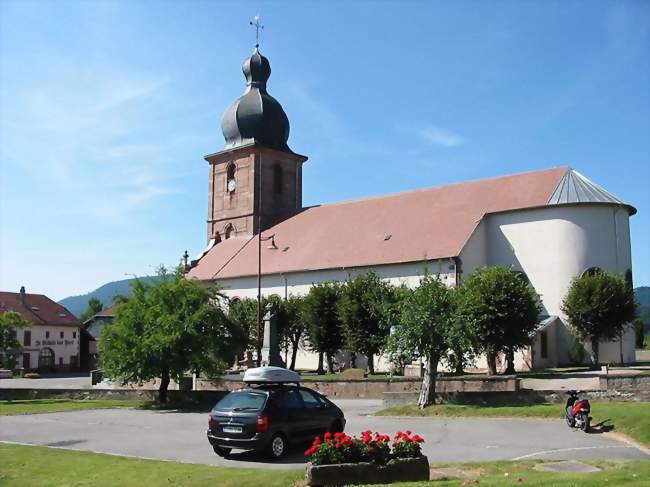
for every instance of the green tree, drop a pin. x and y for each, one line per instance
(424, 329)
(291, 325)
(501, 310)
(94, 307)
(639, 333)
(243, 314)
(322, 321)
(10, 323)
(364, 309)
(599, 307)
(166, 329)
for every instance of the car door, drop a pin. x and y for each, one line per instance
(296, 418)
(319, 418)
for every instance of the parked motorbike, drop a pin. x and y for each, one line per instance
(577, 412)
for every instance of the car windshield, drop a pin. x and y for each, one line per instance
(241, 401)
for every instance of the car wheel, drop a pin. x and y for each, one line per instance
(222, 452)
(277, 446)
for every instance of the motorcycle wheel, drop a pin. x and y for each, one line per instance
(585, 423)
(570, 421)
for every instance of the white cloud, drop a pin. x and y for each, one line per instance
(440, 137)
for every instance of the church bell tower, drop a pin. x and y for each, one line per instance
(256, 180)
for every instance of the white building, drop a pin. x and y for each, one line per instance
(552, 225)
(52, 340)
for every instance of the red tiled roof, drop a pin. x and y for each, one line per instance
(424, 224)
(37, 309)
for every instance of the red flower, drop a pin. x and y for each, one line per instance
(328, 435)
(408, 432)
(418, 439)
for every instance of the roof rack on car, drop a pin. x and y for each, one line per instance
(271, 375)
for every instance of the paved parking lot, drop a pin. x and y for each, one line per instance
(181, 436)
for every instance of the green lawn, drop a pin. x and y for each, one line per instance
(49, 467)
(630, 418)
(34, 406)
(497, 474)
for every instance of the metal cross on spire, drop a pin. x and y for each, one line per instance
(257, 22)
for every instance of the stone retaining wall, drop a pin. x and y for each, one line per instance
(375, 388)
(524, 396)
(126, 394)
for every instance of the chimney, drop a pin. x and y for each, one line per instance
(22, 294)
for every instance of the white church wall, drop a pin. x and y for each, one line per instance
(299, 283)
(474, 253)
(555, 244)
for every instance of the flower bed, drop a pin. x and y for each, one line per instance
(341, 459)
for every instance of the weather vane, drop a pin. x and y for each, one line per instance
(257, 22)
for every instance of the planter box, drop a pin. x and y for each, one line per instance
(398, 470)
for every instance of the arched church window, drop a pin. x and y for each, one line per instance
(592, 271)
(277, 178)
(231, 184)
(228, 231)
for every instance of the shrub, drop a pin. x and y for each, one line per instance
(407, 446)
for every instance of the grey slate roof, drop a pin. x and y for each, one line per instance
(576, 188)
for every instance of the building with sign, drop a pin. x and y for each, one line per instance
(52, 341)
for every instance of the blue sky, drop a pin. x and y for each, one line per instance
(107, 109)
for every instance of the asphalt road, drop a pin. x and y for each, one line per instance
(181, 436)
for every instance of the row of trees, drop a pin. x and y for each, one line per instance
(175, 325)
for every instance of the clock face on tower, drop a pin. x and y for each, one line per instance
(232, 185)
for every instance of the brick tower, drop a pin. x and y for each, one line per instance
(256, 180)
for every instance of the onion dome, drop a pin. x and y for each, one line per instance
(256, 117)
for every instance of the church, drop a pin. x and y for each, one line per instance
(551, 225)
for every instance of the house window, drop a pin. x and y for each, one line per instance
(277, 179)
(60, 360)
(47, 334)
(74, 334)
(27, 339)
(544, 344)
(61, 334)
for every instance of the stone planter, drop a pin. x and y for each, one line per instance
(397, 470)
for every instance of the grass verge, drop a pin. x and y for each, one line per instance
(493, 474)
(40, 467)
(630, 418)
(45, 467)
(35, 406)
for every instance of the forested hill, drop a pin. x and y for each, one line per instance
(78, 304)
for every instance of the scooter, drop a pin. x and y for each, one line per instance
(577, 412)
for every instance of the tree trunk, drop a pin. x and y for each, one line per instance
(594, 351)
(491, 362)
(510, 362)
(330, 363)
(164, 384)
(458, 357)
(371, 363)
(428, 390)
(294, 354)
(320, 370)
(353, 360)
